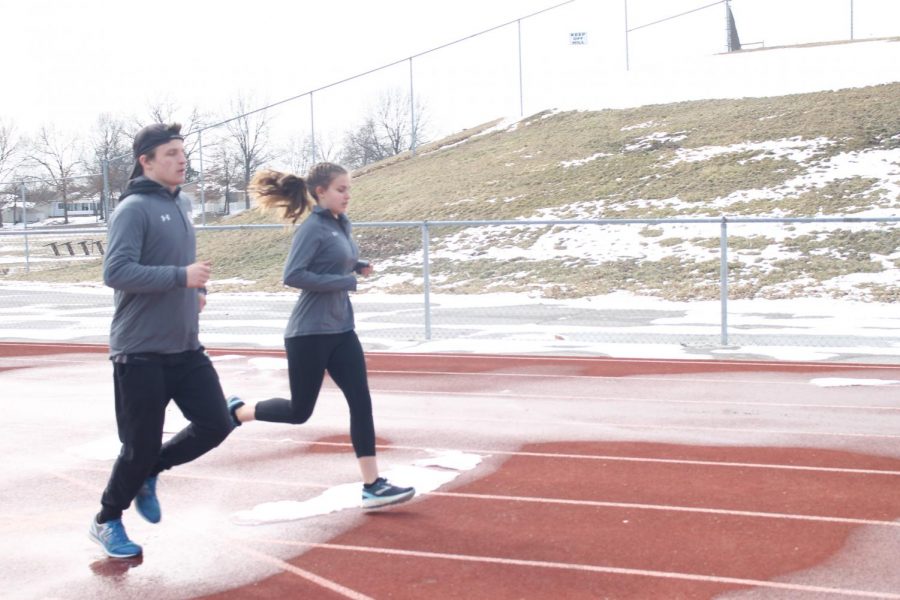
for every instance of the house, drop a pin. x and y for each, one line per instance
(12, 211)
(83, 207)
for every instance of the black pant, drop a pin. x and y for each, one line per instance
(143, 388)
(309, 356)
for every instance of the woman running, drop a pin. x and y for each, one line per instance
(323, 263)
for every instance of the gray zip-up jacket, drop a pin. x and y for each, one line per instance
(321, 263)
(151, 242)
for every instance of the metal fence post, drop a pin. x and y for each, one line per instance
(851, 20)
(25, 226)
(412, 111)
(105, 170)
(312, 128)
(426, 279)
(723, 278)
(727, 29)
(202, 190)
(521, 91)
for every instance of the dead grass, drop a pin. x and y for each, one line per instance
(508, 174)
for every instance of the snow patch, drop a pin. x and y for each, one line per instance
(846, 382)
(269, 364)
(654, 139)
(582, 161)
(643, 125)
(346, 496)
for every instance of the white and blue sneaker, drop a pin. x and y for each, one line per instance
(381, 493)
(112, 538)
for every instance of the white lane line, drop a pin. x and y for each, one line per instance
(590, 360)
(285, 566)
(552, 455)
(602, 457)
(612, 425)
(685, 378)
(778, 367)
(709, 463)
(589, 568)
(498, 375)
(542, 500)
(520, 396)
(412, 392)
(755, 431)
(221, 478)
(307, 575)
(828, 382)
(670, 508)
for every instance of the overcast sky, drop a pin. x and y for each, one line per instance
(66, 62)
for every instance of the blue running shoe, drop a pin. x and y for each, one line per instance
(146, 502)
(381, 493)
(234, 403)
(112, 538)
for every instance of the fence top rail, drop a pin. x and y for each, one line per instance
(506, 222)
(658, 221)
(61, 231)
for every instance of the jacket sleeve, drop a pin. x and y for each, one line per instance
(122, 269)
(306, 243)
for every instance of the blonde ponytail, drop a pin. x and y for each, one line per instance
(274, 189)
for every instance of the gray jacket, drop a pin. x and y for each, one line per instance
(151, 242)
(321, 263)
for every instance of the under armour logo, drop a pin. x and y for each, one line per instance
(165, 218)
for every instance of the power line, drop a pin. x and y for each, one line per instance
(376, 69)
(675, 16)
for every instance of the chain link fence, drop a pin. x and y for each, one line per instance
(593, 287)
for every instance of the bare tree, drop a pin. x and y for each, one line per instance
(298, 153)
(109, 143)
(10, 147)
(363, 145)
(389, 128)
(58, 156)
(226, 171)
(249, 136)
(394, 118)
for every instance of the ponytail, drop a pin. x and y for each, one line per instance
(274, 189)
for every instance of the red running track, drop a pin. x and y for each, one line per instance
(577, 496)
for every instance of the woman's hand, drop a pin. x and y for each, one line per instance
(364, 268)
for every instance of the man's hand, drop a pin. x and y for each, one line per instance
(367, 270)
(198, 273)
(202, 299)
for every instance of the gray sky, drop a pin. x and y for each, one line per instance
(66, 62)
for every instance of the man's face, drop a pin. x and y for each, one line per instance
(168, 167)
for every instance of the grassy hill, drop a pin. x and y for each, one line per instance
(827, 153)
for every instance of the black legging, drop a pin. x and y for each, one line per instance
(309, 356)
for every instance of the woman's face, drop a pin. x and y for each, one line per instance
(336, 197)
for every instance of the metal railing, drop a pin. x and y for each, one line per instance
(427, 230)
